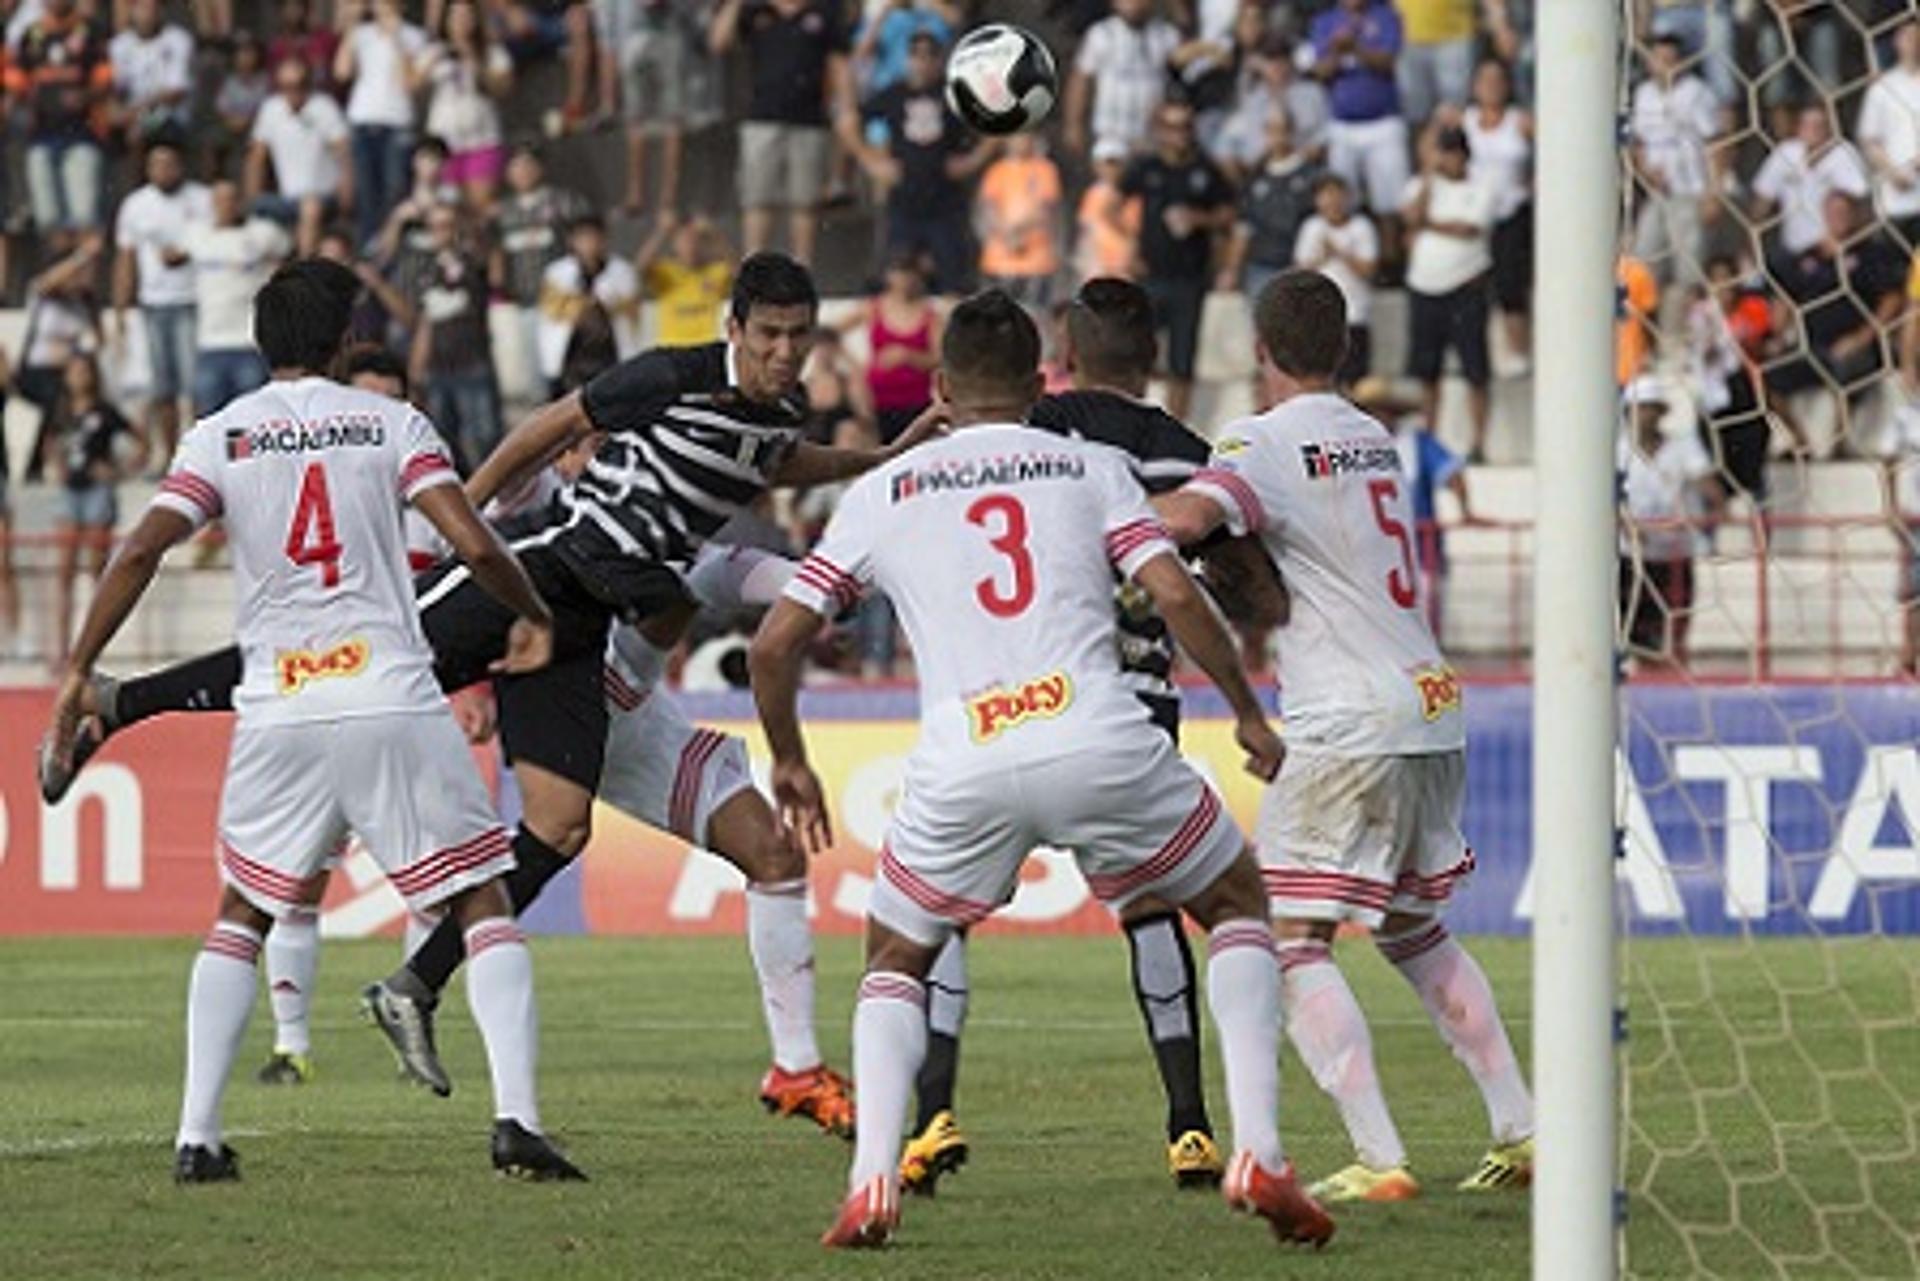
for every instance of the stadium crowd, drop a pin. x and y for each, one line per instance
(169, 157)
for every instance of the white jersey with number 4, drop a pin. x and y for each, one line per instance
(998, 546)
(1320, 483)
(311, 479)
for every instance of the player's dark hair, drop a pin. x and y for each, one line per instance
(1110, 324)
(771, 280)
(301, 315)
(1301, 318)
(991, 349)
(372, 358)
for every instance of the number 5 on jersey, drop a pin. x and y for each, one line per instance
(311, 540)
(1010, 541)
(1402, 585)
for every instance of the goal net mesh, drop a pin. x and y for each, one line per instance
(1769, 787)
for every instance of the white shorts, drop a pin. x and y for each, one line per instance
(1353, 838)
(1135, 816)
(1372, 156)
(663, 769)
(404, 781)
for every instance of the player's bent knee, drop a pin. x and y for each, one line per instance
(744, 832)
(1398, 923)
(1235, 895)
(237, 908)
(892, 952)
(480, 903)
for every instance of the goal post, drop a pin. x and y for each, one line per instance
(1575, 425)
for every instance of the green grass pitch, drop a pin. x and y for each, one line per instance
(1776, 1138)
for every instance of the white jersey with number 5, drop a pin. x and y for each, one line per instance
(1320, 483)
(311, 479)
(998, 546)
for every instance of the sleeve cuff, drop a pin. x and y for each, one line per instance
(1135, 543)
(425, 470)
(190, 496)
(823, 587)
(1234, 496)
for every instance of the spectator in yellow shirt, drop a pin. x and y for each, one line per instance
(687, 282)
(1020, 211)
(1436, 60)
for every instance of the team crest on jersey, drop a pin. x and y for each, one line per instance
(1340, 458)
(298, 668)
(998, 710)
(1439, 690)
(1231, 445)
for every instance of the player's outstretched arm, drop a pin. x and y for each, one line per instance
(811, 464)
(530, 644)
(1243, 581)
(1198, 629)
(774, 662)
(1190, 517)
(125, 581)
(544, 436)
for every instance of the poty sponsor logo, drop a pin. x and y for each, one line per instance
(1340, 458)
(960, 476)
(296, 668)
(1439, 690)
(999, 710)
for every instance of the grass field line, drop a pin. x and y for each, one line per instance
(11, 1148)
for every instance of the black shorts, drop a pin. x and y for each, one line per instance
(555, 718)
(1655, 595)
(1177, 305)
(1736, 437)
(1456, 320)
(1513, 261)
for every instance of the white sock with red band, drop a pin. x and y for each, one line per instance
(500, 994)
(1458, 998)
(1243, 992)
(1327, 1027)
(219, 1003)
(889, 1041)
(781, 941)
(293, 958)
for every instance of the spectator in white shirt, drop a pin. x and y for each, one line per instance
(152, 266)
(1800, 173)
(1674, 118)
(152, 74)
(1118, 77)
(1343, 244)
(1669, 499)
(1449, 218)
(1900, 490)
(1889, 133)
(467, 73)
(232, 257)
(589, 309)
(304, 136)
(1269, 84)
(1501, 136)
(378, 54)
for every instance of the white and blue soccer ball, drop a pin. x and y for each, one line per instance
(1001, 79)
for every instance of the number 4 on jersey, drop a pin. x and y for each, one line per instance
(311, 541)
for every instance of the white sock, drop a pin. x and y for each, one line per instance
(293, 956)
(1459, 1000)
(1327, 1027)
(947, 988)
(500, 994)
(219, 1003)
(418, 927)
(781, 941)
(1243, 992)
(889, 1041)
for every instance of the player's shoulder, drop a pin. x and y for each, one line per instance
(1138, 427)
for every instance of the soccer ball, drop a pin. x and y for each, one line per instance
(1001, 79)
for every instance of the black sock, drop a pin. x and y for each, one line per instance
(946, 1015)
(203, 684)
(434, 961)
(1163, 983)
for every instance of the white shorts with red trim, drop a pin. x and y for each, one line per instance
(404, 782)
(663, 769)
(1136, 818)
(1353, 838)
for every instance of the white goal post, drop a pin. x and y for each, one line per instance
(1574, 974)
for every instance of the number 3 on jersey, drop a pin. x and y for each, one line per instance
(1401, 583)
(1010, 540)
(311, 540)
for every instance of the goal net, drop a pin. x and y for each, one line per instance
(1768, 781)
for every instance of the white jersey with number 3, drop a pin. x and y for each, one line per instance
(311, 479)
(1320, 483)
(998, 546)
